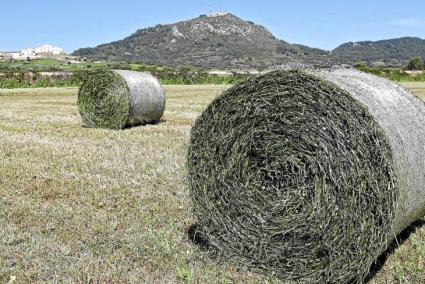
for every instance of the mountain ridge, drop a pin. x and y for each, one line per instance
(227, 42)
(220, 41)
(388, 52)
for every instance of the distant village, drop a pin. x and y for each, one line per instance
(41, 52)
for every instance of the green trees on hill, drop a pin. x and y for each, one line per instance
(416, 64)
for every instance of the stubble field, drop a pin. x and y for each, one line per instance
(91, 205)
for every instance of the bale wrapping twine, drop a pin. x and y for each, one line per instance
(310, 174)
(118, 99)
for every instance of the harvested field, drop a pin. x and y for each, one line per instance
(416, 87)
(80, 205)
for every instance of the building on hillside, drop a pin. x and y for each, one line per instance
(32, 53)
(9, 55)
(48, 49)
(27, 52)
(217, 14)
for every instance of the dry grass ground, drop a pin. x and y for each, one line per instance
(90, 205)
(417, 87)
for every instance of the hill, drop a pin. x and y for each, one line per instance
(391, 52)
(217, 41)
(226, 41)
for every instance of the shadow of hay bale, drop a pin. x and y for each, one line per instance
(395, 244)
(197, 237)
(144, 124)
(195, 234)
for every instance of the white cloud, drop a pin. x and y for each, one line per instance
(409, 23)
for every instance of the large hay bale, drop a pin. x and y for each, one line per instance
(119, 98)
(308, 174)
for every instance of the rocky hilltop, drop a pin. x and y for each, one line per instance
(218, 41)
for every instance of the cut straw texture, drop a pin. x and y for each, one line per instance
(118, 99)
(294, 173)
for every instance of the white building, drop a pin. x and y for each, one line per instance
(32, 53)
(41, 50)
(8, 55)
(217, 14)
(27, 52)
(48, 49)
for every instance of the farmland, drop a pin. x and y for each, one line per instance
(57, 73)
(91, 205)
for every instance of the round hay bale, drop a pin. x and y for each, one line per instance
(119, 98)
(308, 175)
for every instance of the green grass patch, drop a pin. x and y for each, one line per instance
(394, 74)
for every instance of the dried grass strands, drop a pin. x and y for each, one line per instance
(118, 99)
(294, 174)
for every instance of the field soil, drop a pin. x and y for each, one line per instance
(93, 205)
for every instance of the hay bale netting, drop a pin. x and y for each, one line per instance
(308, 174)
(119, 98)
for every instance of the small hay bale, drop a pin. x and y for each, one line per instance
(310, 174)
(119, 98)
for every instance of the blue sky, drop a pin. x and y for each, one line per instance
(324, 24)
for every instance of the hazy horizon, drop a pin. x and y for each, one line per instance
(326, 25)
